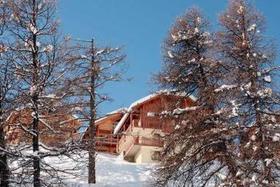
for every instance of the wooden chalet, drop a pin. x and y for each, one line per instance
(142, 128)
(137, 132)
(106, 141)
(55, 128)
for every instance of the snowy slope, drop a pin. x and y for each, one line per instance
(113, 171)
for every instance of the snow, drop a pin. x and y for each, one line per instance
(28, 130)
(198, 19)
(239, 172)
(264, 56)
(40, 5)
(253, 138)
(48, 126)
(276, 137)
(267, 161)
(265, 92)
(192, 60)
(120, 110)
(121, 122)
(174, 37)
(177, 127)
(50, 96)
(112, 171)
(235, 106)
(48, 48)
(252, 28)
(38, 44)
(267, 78)
(225, 87)
(84, 57)
(151, 114)
(254, 178)
(255, 148)
(170, 54)
(78, 109)
(32, 28)
(240, 10)
(32, 90)
(100, 52)
(141, 101)
(179, 111)
(248, 86)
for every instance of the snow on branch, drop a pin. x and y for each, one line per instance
(225, 87)
(47, 125)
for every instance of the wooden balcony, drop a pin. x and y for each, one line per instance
(148, 141)
(128, 143)
(106, 143)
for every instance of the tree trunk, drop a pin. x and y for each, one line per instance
(4, 170)
(35, 145)
(35, 102)
(92, 128)
(92, 154)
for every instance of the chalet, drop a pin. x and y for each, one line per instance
(137, 132)
(55, 128)
(106, 141)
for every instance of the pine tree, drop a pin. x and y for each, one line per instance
(196, 152)
(255, 100)
(230, 137)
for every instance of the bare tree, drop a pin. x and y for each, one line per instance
(6, 98)
(255, 99)
(39, 59)
(95, 67)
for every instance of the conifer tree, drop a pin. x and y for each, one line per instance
(255, 98)
(230, 137)
(196, 151)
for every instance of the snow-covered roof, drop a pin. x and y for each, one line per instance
(121, 122)
(117, 111)
(158, 93)
(143, 100)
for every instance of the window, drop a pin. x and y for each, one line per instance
(156, 155)
(157, 136)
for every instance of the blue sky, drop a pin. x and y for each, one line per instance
(141, 26)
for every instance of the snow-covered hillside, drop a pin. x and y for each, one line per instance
(113, 171)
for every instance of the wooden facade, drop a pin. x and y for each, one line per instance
(105, 140)
(145, 126)
(55, 129)
(141, 125)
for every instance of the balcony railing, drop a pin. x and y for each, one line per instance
(148, 141)
(108, 139)
(126, 143)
